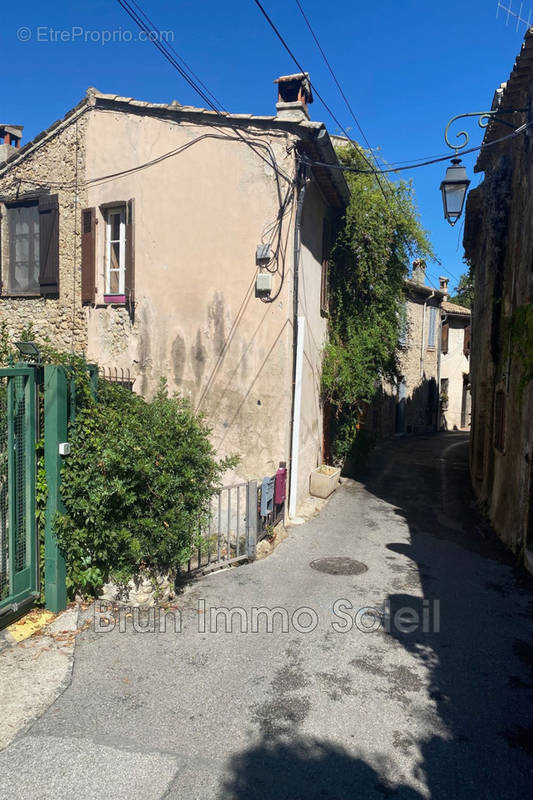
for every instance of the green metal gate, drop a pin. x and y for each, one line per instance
(18, 538)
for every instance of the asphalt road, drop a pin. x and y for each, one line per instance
(430, 702)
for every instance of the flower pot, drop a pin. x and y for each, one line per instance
(323, 481)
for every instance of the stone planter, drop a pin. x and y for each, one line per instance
(140, 591)
(323, 481)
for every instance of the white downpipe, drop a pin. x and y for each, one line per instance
(295, 445)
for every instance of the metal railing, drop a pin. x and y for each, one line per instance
(230, 535)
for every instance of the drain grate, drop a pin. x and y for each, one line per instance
(338, 566)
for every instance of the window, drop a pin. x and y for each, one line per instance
(24, 248)
(324, 283)
(31, 246)
(115, 253)
(445, 337)
(466, 341)
(499, 420)
(432, 326)
(404, 326)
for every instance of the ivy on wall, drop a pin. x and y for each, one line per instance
(381, 233)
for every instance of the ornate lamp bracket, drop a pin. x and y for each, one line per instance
(484, 117)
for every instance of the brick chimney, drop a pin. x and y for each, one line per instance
(10, 136)
(294, 96)
(443, 284)
(419, 271)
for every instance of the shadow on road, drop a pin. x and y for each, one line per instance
(477, 654)
(305, 769)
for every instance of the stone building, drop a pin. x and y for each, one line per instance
(498, 242)
(454, 365)
(166, 241)
(411, 404)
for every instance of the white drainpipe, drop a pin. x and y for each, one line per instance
(300, 336)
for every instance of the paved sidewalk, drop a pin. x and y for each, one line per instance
(440, 712)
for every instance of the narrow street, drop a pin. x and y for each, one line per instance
(438, 712)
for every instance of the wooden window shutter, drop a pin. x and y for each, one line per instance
(88, 255)
(49, 244)
(129, 282)
(466, 346)
(445, 337)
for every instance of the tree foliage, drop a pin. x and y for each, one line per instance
(380, 234)
(464, 291)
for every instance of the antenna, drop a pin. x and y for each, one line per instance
(516, 14)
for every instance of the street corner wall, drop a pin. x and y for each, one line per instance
(57, 163)
(197, 322)
(309, 286)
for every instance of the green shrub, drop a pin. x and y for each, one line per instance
(136, 486)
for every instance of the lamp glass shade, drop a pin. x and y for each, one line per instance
(453, 189)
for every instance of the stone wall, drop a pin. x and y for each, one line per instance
(411, 407)
(56, 163)
(498, 241)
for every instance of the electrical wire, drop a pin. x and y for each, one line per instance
(374, 170)
(483, 146)
(173, 60)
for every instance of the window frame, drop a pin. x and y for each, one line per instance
(29, 202)
(432, 328)
(120, 296)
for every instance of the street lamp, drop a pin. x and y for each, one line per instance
(453, 189)
(456, 182)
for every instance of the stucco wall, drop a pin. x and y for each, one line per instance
(311, 424)
(197, 320)
(57, 164)
(199, 216)
(454, 364)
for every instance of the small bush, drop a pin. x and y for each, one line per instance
(136, 486)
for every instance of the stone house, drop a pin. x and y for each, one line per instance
(454, 365)
(166, 241)
(498, 242)
(411, 404)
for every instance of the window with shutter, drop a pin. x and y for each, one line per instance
(88, 255)
(115, 255)
(432, 326)
(466, 347)
(24, 251)
(445, 337)
(49, 244)
(130, 253)
(404, 326)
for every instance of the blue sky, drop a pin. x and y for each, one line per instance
(406, 66)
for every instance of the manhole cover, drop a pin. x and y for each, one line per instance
(338, 566)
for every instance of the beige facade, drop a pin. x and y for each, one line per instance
(455, 368)
(196, 194)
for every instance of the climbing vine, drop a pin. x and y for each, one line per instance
(380, 234)
(521, 326)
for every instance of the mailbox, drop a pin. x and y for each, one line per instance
(267, 496)
(280, 490)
